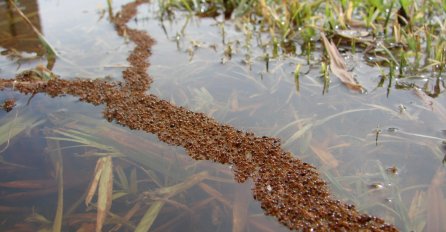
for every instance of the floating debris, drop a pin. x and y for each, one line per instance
(392, 170)
(376, 186)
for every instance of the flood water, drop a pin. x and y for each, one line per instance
(382, 150)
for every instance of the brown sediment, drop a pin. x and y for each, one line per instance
(287, 188)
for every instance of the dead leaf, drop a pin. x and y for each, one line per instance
(436, 204)
(104, 192)
(338, 66)
(324, 155)
(85, 227)
(416, 209)
(135, 209)
(75, 219)
(215, 194)
(240, 208)
(9, 209)
(28, 184)
(263, 224)
(173, 190)
(94, 183)
(432, 103)
(57, 222)
(103, 177)
(234, 101)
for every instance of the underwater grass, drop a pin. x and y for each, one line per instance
(57, 161)
(155, 199)
(403, 33)
(275, 43)
(14, 124)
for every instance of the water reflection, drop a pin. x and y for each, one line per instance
(68, 27)
(16, 34)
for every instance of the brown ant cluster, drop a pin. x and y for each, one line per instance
(287, 188)
(8, 104)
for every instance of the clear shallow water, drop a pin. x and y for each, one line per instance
(335, 131)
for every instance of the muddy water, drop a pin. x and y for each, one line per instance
(343, 147)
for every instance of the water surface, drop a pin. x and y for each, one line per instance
(381, 151)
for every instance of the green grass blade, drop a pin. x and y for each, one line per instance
(149, 217)
(56, 157)
(57, 224)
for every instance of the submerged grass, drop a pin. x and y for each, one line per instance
(15, 124)
(125, 175)
(403, 35)
(283, 21)
(57, 161)
(377, 181)
(140, 190)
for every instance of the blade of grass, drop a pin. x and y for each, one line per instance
(324, 155)
(416, 208)
(432, 103)
(56, 158)
(215, 194)
(240, 208)
(57, 224)
(104, 192)
(310, 125)
(131, 145)
(11, 127)
(95, 181)
(27, 184)
(297, 76)
(186, 184)
(149, 217)
(110, 8)
(90, 134)
(197, 206)
(123, 181)
(128, 215)
(436, 205)
(133, 186)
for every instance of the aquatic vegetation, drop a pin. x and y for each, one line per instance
(122, 169)
(389, 33)
(279, 180)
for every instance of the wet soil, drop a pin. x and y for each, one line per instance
(287, 188)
